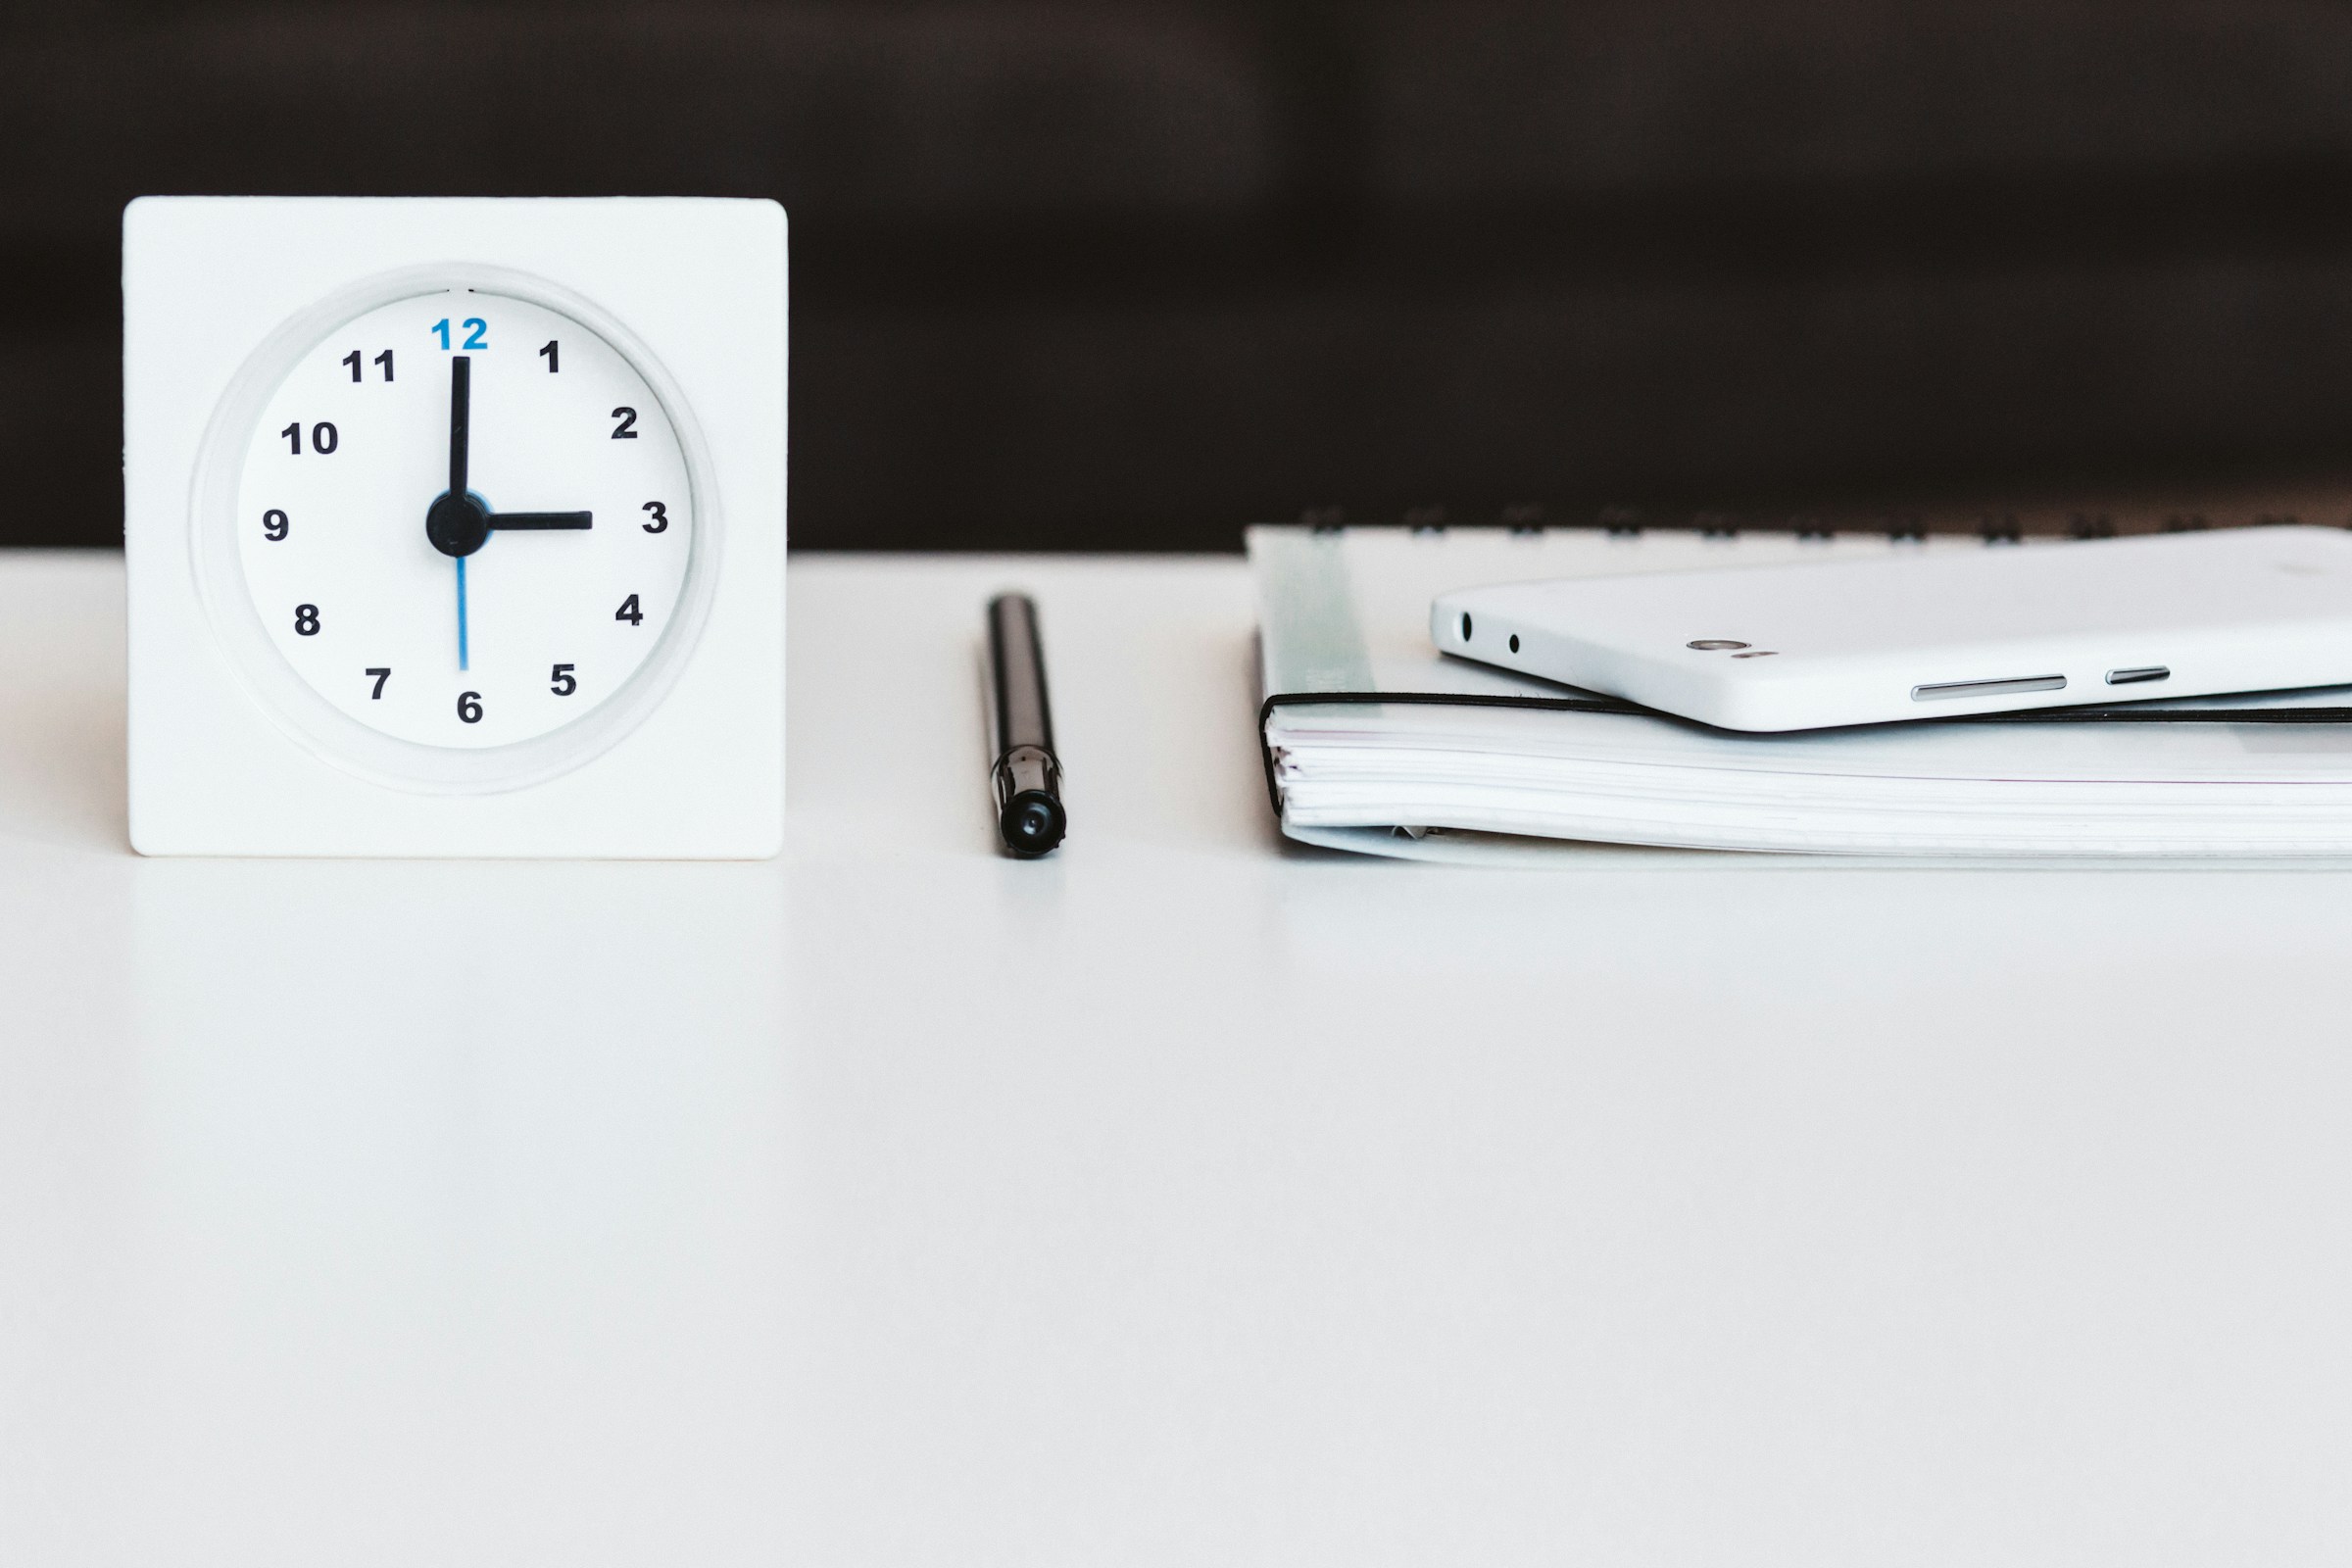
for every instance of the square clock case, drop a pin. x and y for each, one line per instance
(454, 527)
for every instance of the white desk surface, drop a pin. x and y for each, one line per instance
(1183, 1199)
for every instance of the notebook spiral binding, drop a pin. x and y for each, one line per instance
(2003, 526)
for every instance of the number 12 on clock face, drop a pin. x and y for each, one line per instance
(464, 518)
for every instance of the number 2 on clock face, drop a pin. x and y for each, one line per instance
(425, 546)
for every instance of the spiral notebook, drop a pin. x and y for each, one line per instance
(1375, 742)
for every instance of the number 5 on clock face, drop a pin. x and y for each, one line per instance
(451, 495)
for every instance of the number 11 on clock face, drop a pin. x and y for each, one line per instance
(464, 518)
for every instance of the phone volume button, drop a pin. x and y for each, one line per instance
(1951, 690)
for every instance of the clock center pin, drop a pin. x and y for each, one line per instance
(456, 524)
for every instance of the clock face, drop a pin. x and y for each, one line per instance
(464, 518)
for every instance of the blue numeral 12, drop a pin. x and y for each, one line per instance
(478, 332)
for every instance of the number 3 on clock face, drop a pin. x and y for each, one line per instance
(466, 518)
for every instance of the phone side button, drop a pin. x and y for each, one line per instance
(1947, 691)
(2137, 675)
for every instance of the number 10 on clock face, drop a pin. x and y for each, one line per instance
(465, 519)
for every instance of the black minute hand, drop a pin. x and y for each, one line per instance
(461, 417)
(455, 523)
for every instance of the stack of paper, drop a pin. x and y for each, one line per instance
(1376, 741)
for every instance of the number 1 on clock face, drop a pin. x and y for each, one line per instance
(465, 519)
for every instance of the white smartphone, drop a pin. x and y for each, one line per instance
(1813, 643)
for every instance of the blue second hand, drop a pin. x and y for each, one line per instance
(461, 664)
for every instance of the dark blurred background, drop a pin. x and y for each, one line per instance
(1130, 274)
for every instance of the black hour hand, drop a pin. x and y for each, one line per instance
(500, 521)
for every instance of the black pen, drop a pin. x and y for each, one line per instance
(1027, 777)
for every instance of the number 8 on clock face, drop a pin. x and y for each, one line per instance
(464, 518)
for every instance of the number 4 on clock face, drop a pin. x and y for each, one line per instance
(452, 501)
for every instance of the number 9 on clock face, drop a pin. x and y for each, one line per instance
(464, 518)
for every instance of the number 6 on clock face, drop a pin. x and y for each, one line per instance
(469, 522)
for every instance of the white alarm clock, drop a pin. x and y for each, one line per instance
(454, 527)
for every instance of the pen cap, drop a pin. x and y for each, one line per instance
(1023, 717)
